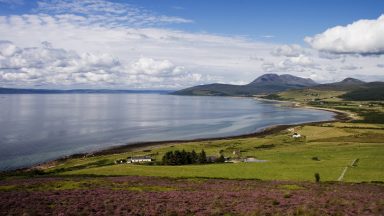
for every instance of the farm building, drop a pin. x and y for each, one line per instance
(139, 159)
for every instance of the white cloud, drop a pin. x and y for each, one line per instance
(54, 67)
(149, 66)
(350, 67)
(300, 63)
(103, 12)
(101, 43)
(208, 54)
(7, 48)
(293, 50)
(300, 60)
(361, 37)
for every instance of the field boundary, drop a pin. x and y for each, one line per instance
(345, 170)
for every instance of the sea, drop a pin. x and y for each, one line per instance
(35, 128)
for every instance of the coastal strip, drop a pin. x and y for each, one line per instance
(339, 117)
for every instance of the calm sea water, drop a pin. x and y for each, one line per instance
(36, 128)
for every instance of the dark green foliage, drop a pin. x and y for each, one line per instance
(317, 177)
(121, 161)
(221, 159)
(315, 158)
(193, 156)
(371, 117)
(265, 146)
(366, 94)
(183, 157)
(366, 112)
(202, 158)
(355, 162)
(273, 97)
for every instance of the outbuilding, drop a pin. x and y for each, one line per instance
(139, 159)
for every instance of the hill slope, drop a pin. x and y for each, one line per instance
(265, 84)
(373, 91)
(348, 84)
(348, 89)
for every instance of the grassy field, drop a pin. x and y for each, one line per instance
(304, 95)
(335, 145)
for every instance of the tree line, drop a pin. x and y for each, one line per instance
(183, 158)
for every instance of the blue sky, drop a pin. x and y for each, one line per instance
(288, 21)
(157, 43)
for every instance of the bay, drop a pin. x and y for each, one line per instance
(38, 127)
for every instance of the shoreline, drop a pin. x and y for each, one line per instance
(340, 116)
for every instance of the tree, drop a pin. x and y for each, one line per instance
(202, 158)
(167, 158)
(178, 157)
(194, 157)
(184, 157)
(221, 159)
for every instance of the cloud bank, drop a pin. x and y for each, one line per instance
(363, 37)
(102, 12)
(103, 44)
(46, 65)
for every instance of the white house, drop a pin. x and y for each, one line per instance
(139, 159)
(296, 135)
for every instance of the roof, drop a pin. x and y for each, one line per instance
(140, 157)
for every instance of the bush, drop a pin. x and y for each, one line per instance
(183, 157)
(317, 177)
(315, 158)
(221, 159)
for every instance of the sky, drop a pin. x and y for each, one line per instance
(173, 44)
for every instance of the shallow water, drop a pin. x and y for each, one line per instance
(39, 127)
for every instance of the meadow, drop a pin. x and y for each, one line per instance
(325, 148)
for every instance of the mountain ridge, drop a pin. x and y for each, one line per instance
(264, 84)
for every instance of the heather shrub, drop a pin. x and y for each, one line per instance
(315, 158)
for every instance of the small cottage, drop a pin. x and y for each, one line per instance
(139, 159)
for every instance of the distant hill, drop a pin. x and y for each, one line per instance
(348, 89)
(265, 84)
(348, 84)
(373, 91)
(355, 89)
(273, 79)
(79, 91)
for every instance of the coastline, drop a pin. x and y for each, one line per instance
(340, 116)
